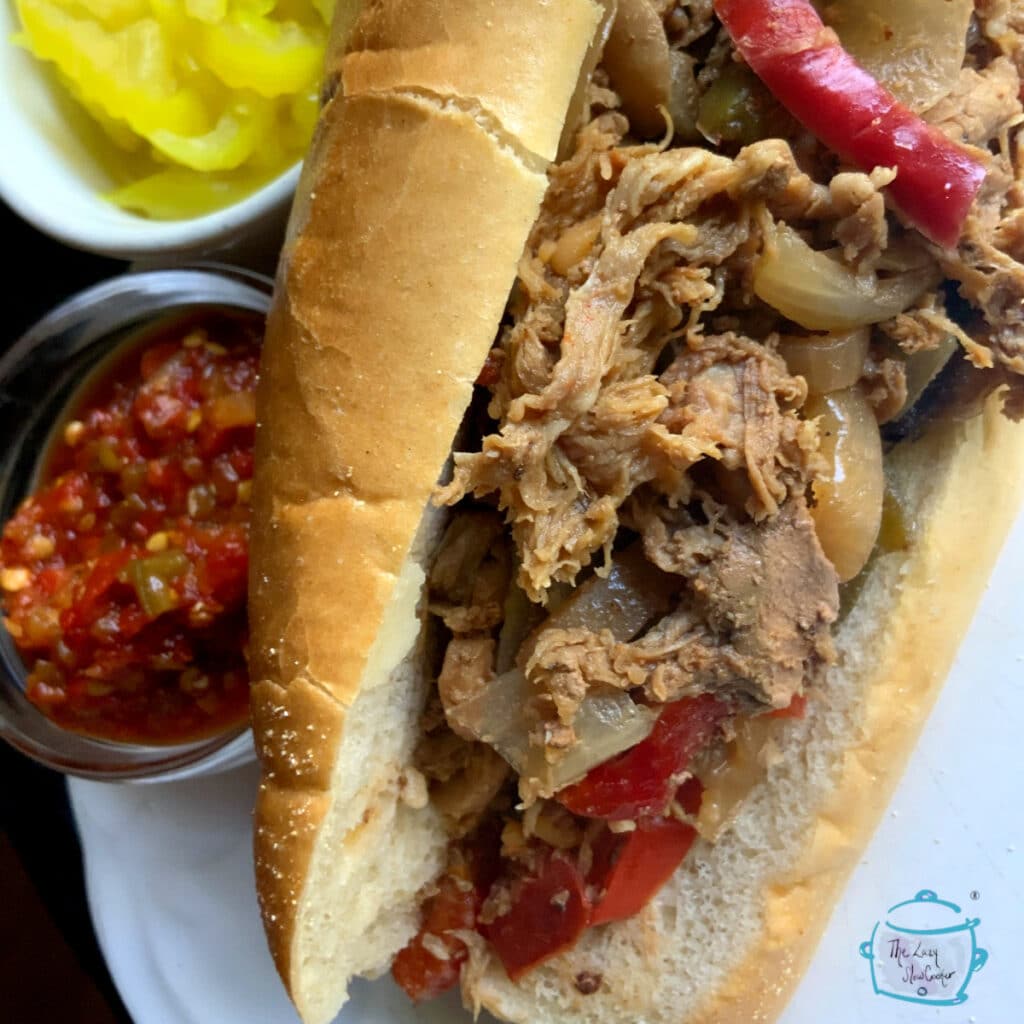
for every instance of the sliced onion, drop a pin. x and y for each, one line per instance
(848, 499)
(684, 100)
(822, 293)
(915, 48)
(638, 62)
(632, 594)
(732, 772)
(923, 367)
(606, 724)
(828, 362)
(496, 716)
(520, 616)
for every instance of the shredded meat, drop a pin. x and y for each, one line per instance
(580, 410)
(755, 627)
(987, 263)
(732, 400)
(885, 385)
(464, 797)
(862, 229)
(464, 776)
(923, 328)
(928, 327)
(441, 755)
(1008, 235)
(993, 281)
(468, 668)
(467, 588)
(636, 385)
(565, 665)
(981, 105)
(686, 20)
(471, 573)
(768, 171)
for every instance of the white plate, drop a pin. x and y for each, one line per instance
(170, 884)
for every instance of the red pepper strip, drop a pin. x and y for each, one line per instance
(689, 795)
(419, 972)
(453, 908)
(804, 65)
(638, 864)
(797, 708)
(640, 780)
(548, 914)
(628, 870)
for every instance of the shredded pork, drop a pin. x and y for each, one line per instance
(579, 433)
(754, 623)
(635, 389)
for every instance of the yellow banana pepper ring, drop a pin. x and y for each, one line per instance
(229, 144)
(128, 73)
(202, 101)
(271, 58)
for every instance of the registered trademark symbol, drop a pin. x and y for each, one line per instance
(975, 895)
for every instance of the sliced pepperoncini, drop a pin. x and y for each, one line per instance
(211, 98)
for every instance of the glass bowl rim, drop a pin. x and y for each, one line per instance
(126, 302)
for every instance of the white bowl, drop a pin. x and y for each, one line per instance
(50, 174)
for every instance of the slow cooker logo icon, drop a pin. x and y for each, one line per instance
(924, 951)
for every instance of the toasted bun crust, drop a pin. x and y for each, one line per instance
(728, 939)
(388, 293)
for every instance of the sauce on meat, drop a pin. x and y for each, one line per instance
(124, 576)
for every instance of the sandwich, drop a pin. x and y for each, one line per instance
(636, 435)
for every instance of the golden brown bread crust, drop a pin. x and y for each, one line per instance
(334, 519)
(486, 52)
(389, 239)
(388, 293)
(294, 727)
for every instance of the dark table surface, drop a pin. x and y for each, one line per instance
(51, 969)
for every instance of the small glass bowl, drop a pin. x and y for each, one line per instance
(38, 377)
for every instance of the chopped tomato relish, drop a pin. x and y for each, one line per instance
(124, 576)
